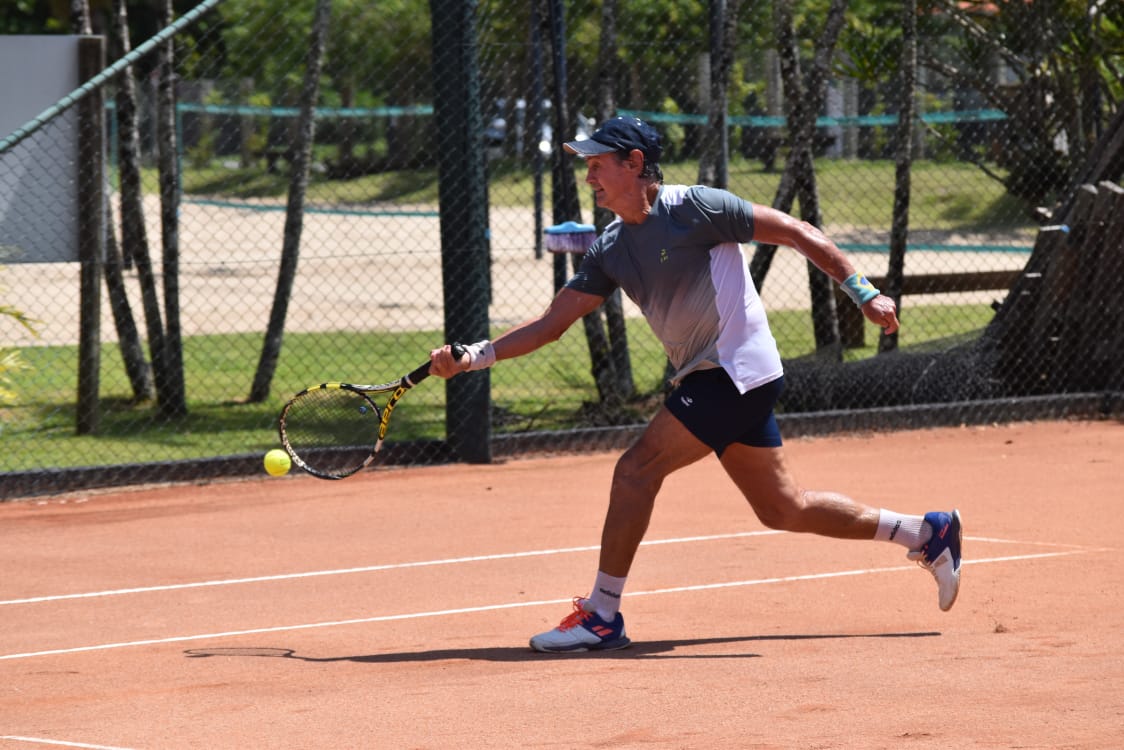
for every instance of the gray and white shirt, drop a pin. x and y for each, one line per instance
(683, 266)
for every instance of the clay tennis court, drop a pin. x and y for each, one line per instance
(392, 609)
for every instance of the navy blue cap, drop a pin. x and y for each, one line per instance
(620, 134)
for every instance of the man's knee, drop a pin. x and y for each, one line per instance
(781, 513)
(632, 474)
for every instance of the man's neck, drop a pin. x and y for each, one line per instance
(642, 206)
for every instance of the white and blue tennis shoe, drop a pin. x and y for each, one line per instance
(941, 555)
(582, 630)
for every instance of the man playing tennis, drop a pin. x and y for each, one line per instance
(675, 252)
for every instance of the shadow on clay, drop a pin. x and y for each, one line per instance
(687, 648)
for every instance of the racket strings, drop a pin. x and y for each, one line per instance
(332, 430)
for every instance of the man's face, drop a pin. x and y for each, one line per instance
(612, 178)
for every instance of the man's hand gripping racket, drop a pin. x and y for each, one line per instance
(333, 430)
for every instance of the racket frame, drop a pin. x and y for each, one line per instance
(396, 389)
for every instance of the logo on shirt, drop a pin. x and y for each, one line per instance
(687, 400)
(663, 255)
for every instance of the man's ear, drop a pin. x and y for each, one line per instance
(636, 159)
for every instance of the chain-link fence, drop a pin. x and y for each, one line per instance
(256, 244)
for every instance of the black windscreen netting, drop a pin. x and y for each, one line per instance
(276, 217)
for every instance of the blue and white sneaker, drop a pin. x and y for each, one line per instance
(941, 555)
(582, 631)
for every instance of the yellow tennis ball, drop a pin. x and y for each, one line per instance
(277, 463)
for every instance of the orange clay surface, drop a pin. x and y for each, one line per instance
(392, 609)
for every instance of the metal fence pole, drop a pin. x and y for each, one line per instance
(91, 234)
(463, 195)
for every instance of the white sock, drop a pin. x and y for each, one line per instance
(606, 597)
(908, 531)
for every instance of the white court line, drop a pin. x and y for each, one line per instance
(428, 563)
(373, 568)
(42, 741)
(511, 605)
(1063, 545)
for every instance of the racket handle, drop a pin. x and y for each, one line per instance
(422, 372)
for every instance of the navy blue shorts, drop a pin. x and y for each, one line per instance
(709, 405)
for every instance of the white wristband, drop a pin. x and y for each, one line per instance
(481, 355)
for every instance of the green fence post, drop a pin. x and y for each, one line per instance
(463, 195)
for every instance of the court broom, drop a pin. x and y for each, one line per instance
(570, 237)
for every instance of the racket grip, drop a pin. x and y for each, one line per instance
(422, 372)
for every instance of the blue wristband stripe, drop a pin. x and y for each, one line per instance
(859, 289)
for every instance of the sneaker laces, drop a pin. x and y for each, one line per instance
(918, 556)
(575, 618)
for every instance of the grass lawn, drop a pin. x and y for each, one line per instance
(944, 195)
(544, 391)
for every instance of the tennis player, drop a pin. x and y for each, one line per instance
(675, 251)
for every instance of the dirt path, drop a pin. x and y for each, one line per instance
(376, 272)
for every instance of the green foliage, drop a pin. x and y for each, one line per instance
(203, 152)
(1060, 60)
(32, 17)
(10, 363)
(675, 31)
(869, 48)
(18, 316)
(673, 134)
(365, 40)
(10, 360)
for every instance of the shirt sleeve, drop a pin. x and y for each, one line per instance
(731, 216)
(590, 277)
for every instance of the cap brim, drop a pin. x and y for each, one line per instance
(587, 147)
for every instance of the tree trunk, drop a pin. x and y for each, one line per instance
(568, 208)
(294, 212)
(799, 179)
(538, 120)
(134, 240)
(80, 17)
(715, 157)
(132, 352)
(171, 396)
(903, 163)
(606, 108)
(803, 107)
(346, 164)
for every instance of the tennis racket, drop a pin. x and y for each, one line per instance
(333, 430)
